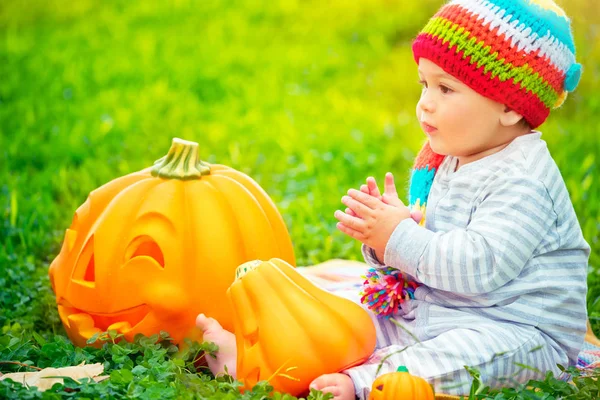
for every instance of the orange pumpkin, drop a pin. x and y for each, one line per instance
(401, 385)
(289, 331)
(149, 251)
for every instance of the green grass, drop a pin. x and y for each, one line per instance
(309, 98)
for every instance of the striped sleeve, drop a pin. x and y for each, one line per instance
(505, 229)
(370, 257)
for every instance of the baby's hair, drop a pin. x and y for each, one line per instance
(525, 124)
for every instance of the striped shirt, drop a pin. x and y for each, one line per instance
(502, 242)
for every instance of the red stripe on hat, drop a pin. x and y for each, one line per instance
(503, 45)
(508, 93)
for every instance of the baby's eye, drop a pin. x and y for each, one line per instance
(445, 89)
(423, 83)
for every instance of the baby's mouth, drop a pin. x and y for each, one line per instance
(87, 323)
(428, 128)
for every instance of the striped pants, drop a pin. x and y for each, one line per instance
(436, 343)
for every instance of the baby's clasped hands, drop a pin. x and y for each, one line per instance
(372, 218)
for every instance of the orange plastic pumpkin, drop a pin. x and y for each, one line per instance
(401, 385)
(149, 251)
(289, 331)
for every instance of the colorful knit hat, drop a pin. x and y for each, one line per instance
(517, 52)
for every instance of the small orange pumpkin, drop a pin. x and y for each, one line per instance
(151, 250)
(401, 385)
(289, 332)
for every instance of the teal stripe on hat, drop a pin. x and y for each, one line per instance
(539, 19)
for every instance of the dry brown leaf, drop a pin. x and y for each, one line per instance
(42, 382)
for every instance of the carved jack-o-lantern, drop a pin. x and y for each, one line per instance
(150, 250)
(289, 332)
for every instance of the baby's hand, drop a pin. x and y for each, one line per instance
(371, 189)
(373, 221)
(390, 195)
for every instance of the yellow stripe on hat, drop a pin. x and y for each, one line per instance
(561, 99)
(550, 5)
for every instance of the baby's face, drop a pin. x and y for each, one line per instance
(457, 120)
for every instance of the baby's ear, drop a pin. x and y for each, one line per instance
(510, 117)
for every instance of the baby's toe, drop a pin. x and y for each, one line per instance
(324, 381)
(207, 324)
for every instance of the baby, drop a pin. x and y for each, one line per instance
(498, 259)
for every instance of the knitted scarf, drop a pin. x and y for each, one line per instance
(421, 178)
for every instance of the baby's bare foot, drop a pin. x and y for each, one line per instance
(226, 356)
(339, 385)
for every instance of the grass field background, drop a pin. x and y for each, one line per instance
(307, 97)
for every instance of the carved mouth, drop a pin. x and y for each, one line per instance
(88, 323)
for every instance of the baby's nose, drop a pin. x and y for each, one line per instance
(426, 104)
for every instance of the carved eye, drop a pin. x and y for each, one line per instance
(145, 246)
(379, 387)
(85, 272)
(90, 271)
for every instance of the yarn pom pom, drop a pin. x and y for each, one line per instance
(385, 289)
(572, 77)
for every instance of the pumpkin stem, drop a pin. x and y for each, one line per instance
(181, 162)
(246, 267)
